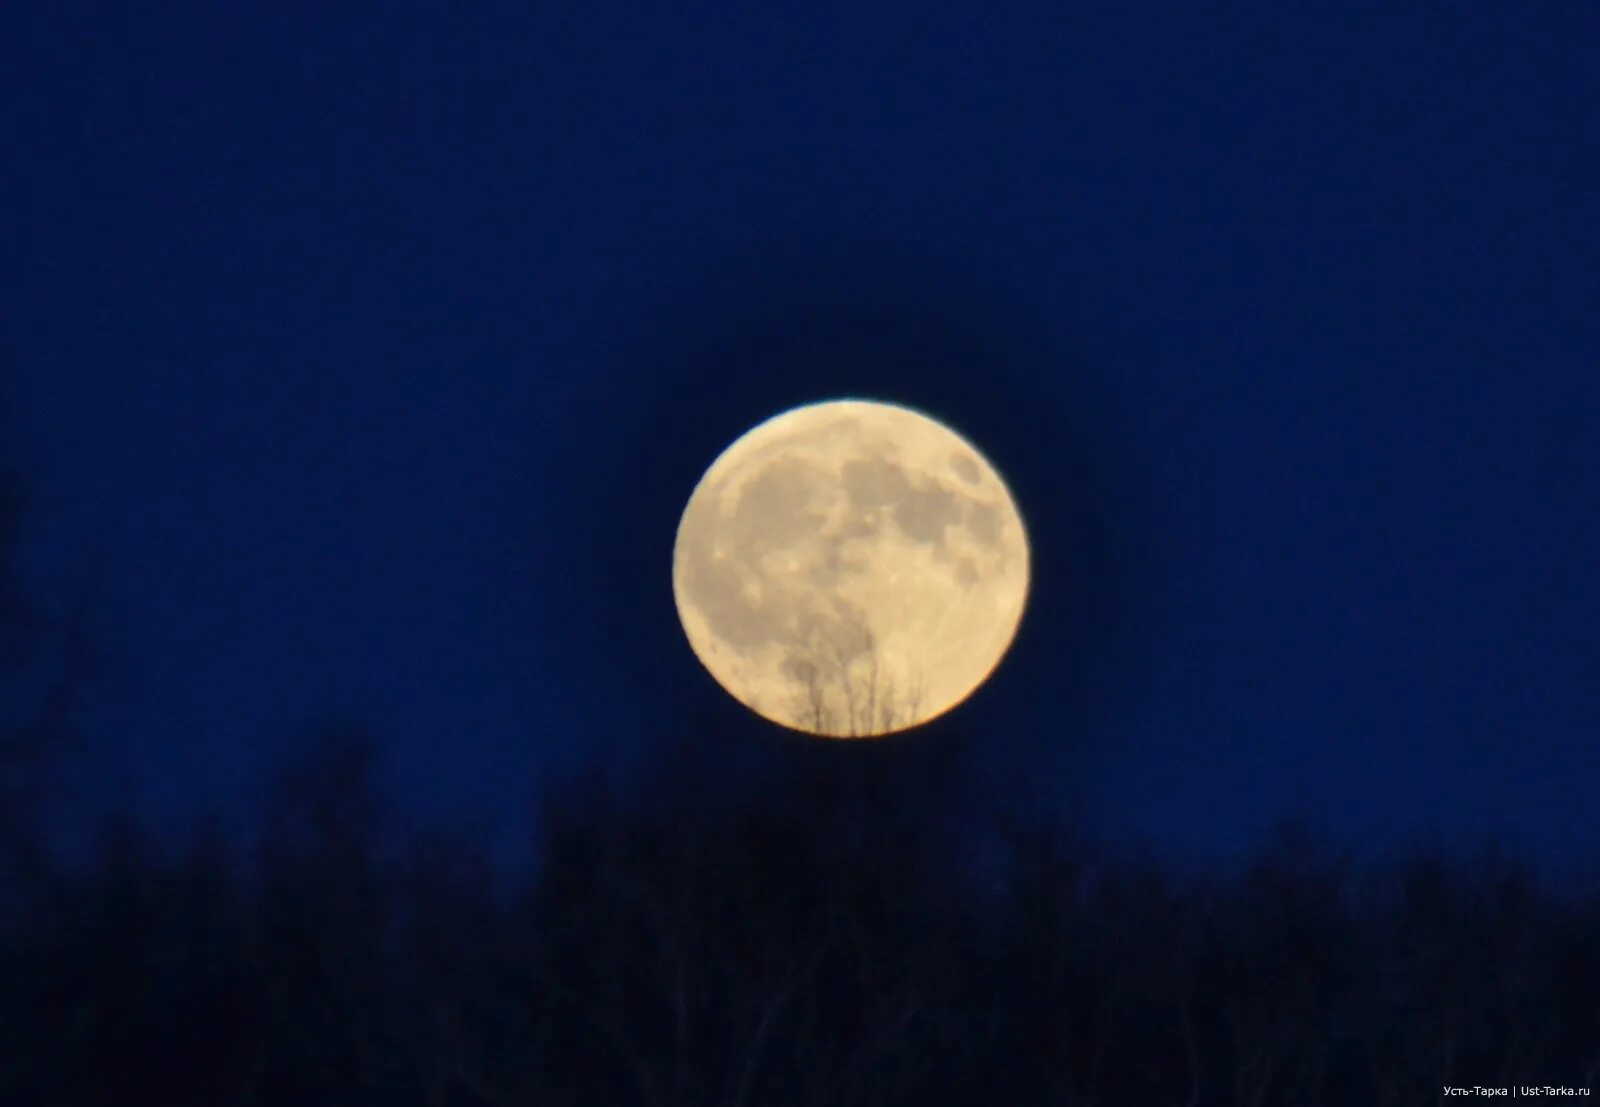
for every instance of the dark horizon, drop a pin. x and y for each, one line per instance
(818, 935)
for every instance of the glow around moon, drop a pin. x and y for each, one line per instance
(850, 568)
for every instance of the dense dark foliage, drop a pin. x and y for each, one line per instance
(814, 941)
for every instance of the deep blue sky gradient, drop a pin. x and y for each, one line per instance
(361, 361)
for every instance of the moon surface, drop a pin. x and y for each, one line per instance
(850, 569)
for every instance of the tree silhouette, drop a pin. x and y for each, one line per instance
(842, 687)
(802, 935)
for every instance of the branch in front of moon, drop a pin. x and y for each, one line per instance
(842, 689)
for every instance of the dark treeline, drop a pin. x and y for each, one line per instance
(811, 937)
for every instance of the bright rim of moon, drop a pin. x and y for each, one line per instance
(850, 569)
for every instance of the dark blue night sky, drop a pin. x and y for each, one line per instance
(359, 364)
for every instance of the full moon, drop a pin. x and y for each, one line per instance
(850, 569)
